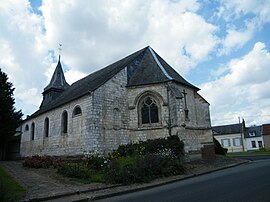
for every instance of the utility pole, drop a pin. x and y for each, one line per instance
(241, 133)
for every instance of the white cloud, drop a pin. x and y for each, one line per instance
(235, 39)
(243, 91)
(22, 50)
(95, 34)
(234, 9)
(243, 20)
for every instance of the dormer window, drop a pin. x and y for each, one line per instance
(252, 134)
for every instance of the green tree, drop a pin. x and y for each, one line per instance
(9, 117)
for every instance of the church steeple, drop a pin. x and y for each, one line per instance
(56, 86)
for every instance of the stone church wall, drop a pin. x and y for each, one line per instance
(109, 114)
(57, 143)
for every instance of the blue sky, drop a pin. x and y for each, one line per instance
(223, 47)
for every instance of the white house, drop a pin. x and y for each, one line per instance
(230, 136)
(254, 138)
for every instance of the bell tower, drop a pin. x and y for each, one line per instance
(56, 86)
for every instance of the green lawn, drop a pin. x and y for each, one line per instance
(10, 190)
(257, 152)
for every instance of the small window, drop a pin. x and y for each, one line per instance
(77, 111)
(186, 115)
(226, 143)
(46, 127)
(260, 144)
(253, 144)
(32, 131)
(237, 142)
(26, 127)
(116, 118)
(64, 122)
(149, 111)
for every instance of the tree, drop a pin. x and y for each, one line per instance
(9, 117)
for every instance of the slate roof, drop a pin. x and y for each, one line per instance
(255, 130)
(58, 80)
(227, 129)
(143, 67)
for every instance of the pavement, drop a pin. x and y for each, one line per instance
(47, 185)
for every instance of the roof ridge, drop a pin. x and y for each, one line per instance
(159, 64)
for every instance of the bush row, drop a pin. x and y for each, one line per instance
(42, 162)
(132, 163)
(172, 143)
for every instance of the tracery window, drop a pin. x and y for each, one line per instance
(64, 122)
(77, 111)
(149, 110)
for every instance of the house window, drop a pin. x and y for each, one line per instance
(26, 127)
(32, 131)
(77, 111)
(237, 142)
(253, 144)
(260, 144)
(64, 122)
(46, 127)
(149, 110)
(226, 143)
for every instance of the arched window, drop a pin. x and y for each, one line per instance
(26, 127)
(149, 110)
(32, 131)
(116, 118)
(46, 127)
(77, 111)
(64, 122)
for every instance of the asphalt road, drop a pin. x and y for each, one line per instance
(248, 182)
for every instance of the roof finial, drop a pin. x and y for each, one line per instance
(60, 49)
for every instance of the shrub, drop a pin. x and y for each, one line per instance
(121, 170)
(42, 162)
(94, 161)
(136, 169)
(75, 170)
(219, 149)
(151, 146)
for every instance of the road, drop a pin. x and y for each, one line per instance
(248, 182)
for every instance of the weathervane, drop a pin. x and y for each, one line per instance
(60, 49)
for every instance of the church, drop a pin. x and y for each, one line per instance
(137, 98)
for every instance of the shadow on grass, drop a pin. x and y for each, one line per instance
(10, 190)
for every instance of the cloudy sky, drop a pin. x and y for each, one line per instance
(223, 47)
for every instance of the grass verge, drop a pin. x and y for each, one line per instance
(10, 190)
(256, 152)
